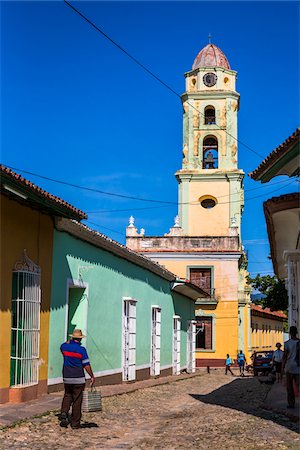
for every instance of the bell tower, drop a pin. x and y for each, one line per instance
(210, 183)
(204, 244)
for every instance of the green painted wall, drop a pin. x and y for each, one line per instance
(108, 279)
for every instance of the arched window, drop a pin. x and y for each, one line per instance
(210, 115)
(210, 153)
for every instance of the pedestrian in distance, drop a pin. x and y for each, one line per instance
(241, 359)
(291, 365)
(277, 361)
(76, 360)
(228, 364)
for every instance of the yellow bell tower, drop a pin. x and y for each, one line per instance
(210, 183)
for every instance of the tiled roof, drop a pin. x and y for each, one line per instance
(45, 199)
(211, 56)
(276, 154)
(267, 311)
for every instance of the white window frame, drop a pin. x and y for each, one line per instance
(176, 344)
(155, 340)
(191, 346)
(129, 339)
(25, 327)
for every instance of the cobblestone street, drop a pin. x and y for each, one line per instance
(206, 412)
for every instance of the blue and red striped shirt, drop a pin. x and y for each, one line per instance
(75, 359)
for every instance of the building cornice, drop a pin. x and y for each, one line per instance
(209, 174)
(193, 256)
(272, 206)
(280, 156)
(18, 188)
(203, 95)
(209, 68)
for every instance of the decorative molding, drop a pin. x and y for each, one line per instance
(193, 256)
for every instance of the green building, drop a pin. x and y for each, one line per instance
(136, 315)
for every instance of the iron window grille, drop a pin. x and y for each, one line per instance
(25, 329)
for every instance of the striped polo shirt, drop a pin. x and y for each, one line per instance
(75, 359)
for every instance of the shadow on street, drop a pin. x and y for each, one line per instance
(241, 395)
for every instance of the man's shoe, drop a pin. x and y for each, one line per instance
(76, 427)
(64, 420)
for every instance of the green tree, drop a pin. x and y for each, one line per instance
(276, 296)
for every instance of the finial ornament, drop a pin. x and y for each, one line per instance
(26, 264)
(233, 222)
(176, 222)
(209, 38)
(131, 221)
(142, 232)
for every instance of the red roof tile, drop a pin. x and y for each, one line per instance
(58, 205)
(211, 56)
(262, 310)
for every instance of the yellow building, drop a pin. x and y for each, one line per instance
(27, 225)
(267, 328)
(204, 245)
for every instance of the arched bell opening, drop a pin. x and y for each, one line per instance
(210, 153)
(209, 115)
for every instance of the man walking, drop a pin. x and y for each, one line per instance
(290, 362)
(75, 361)
(241, 359)
(277, 361)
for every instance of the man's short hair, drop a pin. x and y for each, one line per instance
(293, 330)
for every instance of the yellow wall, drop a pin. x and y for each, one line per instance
(225, 332)
(214, 221)
(24, 228)
(265, 333)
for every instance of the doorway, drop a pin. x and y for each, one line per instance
(77, 308)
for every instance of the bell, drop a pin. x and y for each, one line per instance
(209, 161)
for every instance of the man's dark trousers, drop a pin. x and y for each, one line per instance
(73, 396)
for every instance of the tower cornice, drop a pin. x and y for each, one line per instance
(204, 95)
(205, 69)
(198, 175)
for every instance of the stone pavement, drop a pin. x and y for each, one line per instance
(212, 412)
(277, 402)
(15, 412)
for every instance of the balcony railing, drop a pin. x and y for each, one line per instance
(212, 297)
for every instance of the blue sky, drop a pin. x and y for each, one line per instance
(77, 109)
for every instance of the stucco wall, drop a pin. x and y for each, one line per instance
(266, 332)
(225, 278)
(108, 279)
(23, 228)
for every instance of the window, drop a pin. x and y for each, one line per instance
(202, 277)
(210, 153)
(25, 329)
(209, 115)
(204, 333)
(208, 203)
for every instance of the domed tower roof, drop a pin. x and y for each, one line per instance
(211, 56)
